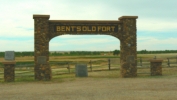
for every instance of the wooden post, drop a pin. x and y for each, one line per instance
(168, 62)
(176, 59)
(68, 68)
(154, 57)
(90, 65)
(109, 64)
(141, 62)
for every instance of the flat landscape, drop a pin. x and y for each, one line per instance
(99, 85)
(94, 88)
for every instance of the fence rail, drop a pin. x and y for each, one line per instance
(166, 63)
(170, 62)
(59, 68)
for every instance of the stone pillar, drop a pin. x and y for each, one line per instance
(156, 67)
(9, 71)
(128, 46)
(41, 46)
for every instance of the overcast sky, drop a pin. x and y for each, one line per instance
(156, 23)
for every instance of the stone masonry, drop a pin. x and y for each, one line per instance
(44, 32)
(156, 67)
(128, 46)
(41, 47)
(9, 71)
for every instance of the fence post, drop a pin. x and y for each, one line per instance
(168, 62)
(141, 62)
(176, 59)
(109, 64)
(90, 65)
(68, 68)
(154, 57)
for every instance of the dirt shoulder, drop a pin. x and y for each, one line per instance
(93, 89)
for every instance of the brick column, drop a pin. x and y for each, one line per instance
(41, 46)
(128, 46)
(156, 67)
(9, 71)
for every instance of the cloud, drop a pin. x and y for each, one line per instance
(152, 43)
(84, 39)
(154, 17)
(17, 45)
(19, 14)
(84, 42)
(155, 25)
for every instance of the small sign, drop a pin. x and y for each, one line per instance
(81, 70)
(41, 59)
(130, 59)
(9, 55)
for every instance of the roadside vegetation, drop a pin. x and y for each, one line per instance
(94, 53)
(24, 69)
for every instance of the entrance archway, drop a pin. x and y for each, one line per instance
(44, 30)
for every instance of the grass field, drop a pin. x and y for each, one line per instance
(99, 63)
(101, 83)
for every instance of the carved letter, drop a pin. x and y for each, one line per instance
(108, 28)
(73, 27)
(112, 28)
(88, 28)
(103, 28)
(58, 28)
(62, 28)
(99, 28)
(93, 28)
(67, 28)
(84, 28)
(78, 28)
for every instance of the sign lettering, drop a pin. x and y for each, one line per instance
(94, 28)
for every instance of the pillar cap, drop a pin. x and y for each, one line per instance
(127, 17)
(40, 16)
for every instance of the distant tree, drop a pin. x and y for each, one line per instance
(144, 51)
(2, 54)
(66, 53)
(116, 52)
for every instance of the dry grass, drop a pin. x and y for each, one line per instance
(105, 85)
(99, 85)
(158, 56)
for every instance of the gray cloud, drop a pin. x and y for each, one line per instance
(154, 15)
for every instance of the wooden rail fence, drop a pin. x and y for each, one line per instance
(167, 62)
(94, 65)
(171, 62)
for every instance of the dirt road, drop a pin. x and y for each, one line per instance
(92, 89)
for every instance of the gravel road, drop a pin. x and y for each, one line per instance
(92, 89)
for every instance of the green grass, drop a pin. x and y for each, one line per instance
(29, 77)
(100, 63)
(25, 79)
(26, 62)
